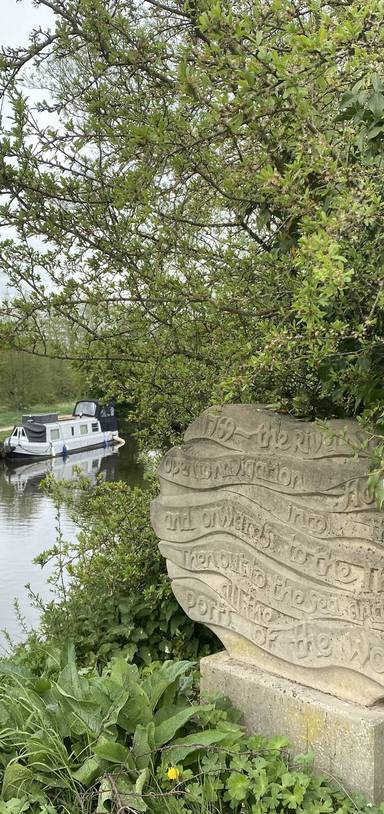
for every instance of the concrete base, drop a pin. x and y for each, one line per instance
(348, 739)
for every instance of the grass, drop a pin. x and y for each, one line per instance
(10, 415)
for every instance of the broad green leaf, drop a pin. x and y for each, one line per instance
(278, 742)
(91, 769)
(166, 730)
(143, 745)
(8, 668)
(156, 684)
(111, 751)
(129, 793)
(260, 784)
(17, 781)
(70, 684)
(105, 796)
(84, 717)
(238, 786)
(141, 781)
(184, 747)
(136, 710)
(376, 103)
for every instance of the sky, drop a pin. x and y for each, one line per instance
(17, 20)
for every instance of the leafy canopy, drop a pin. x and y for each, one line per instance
(200, 198)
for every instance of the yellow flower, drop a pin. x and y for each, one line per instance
(173, 773)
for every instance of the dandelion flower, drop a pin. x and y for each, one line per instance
(173, 773)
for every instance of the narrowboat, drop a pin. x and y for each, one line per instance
(48, 435)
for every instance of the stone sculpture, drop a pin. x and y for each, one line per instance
(273, 541)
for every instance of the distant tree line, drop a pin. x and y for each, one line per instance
(26, 380)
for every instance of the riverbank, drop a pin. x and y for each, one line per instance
(9, 416)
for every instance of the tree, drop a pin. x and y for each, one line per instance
(200, 197)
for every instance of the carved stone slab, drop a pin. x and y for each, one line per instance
(273, 541)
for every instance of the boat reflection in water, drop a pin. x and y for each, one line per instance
(25, 477)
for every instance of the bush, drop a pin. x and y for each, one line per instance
(112, 594)
(79, 741)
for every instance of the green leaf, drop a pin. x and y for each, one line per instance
(136, 710)
(166, 730)
(156, 684)
(376, 82)
(305, 760)
(143, 745)
(376, 103)
(141, 781)
(288, 779)
(69, 682)
(12, 670)
(17, 781)
(238, 786)
(129, 794)
(278, 742)
(111, 751)
(84, 717)
(373, 132)
(260, 784)
(184, 747)
(91, 769)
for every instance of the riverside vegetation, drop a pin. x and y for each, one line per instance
(194, 214)
(99, 709)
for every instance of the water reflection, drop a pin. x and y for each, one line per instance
(27, 521)
(26, 477)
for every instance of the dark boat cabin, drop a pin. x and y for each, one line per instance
(105, 413)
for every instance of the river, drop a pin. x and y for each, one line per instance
(28, 525)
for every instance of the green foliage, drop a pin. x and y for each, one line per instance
(207, 190)
(104, 733)
(111, 591)
(82, 741)
(27, 380)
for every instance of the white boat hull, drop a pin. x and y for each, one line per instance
(54, 449)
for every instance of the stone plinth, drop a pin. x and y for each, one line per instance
(273, 540)
(348, 739)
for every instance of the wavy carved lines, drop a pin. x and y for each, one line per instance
(214, 472)
(281, 590)
(271, 538)
(300, 643)
(218, 552)
(252, 430)
(195, 515)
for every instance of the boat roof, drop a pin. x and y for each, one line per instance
(40, 418)
(42, 421)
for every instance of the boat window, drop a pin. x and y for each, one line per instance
(23, 434)
(85, 408)
(55, 435)
(107, 411)
(72, 430)
(95, 426)
(14, 434)
(84, 429)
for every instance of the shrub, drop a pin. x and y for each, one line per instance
(111, 589)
